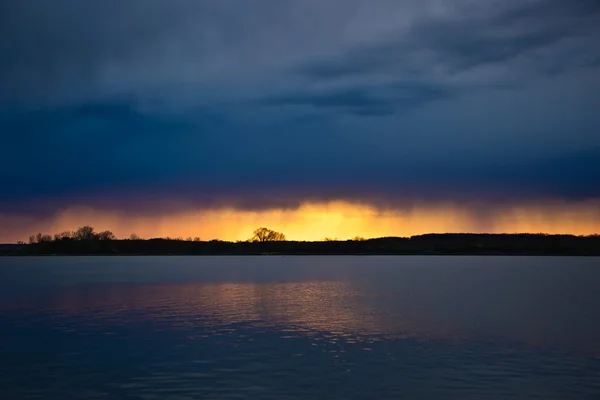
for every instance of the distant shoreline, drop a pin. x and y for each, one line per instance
(424, 245)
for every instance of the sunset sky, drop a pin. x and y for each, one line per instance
(317, 118)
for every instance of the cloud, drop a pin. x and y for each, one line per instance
(70, 50)
(131, 105)
(373, 100)
(438, 47)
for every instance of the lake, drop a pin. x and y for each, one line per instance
(299, 327)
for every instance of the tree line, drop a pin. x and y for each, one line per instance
(87, 233)
(83, 233)
(86, 240)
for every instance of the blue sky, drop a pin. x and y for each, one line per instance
(272, 103)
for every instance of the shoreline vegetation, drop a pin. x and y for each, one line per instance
(85, 241)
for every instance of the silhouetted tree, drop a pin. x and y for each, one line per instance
(40, 238)
(84, 233)
(134, 236)
(63, 236)
(106, 235)
(358, 239)
(267, 235)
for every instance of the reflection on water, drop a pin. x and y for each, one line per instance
(275, 328)
(333, 308)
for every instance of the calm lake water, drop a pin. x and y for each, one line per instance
(299, 327)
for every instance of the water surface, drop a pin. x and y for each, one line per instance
(299, 327)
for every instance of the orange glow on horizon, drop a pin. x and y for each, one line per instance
(316, 221)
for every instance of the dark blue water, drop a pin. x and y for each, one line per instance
(299, 327)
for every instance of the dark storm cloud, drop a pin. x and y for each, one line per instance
(464, 43)
(123, 103)
(135, 162)
(388, 99)
(452, 46)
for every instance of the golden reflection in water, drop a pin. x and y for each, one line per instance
(328, 307)
(332, 311)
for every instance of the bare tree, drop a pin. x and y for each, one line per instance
(63, 236)
(106, 235)
(85, 233)
(134, 236)
(267, 235)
